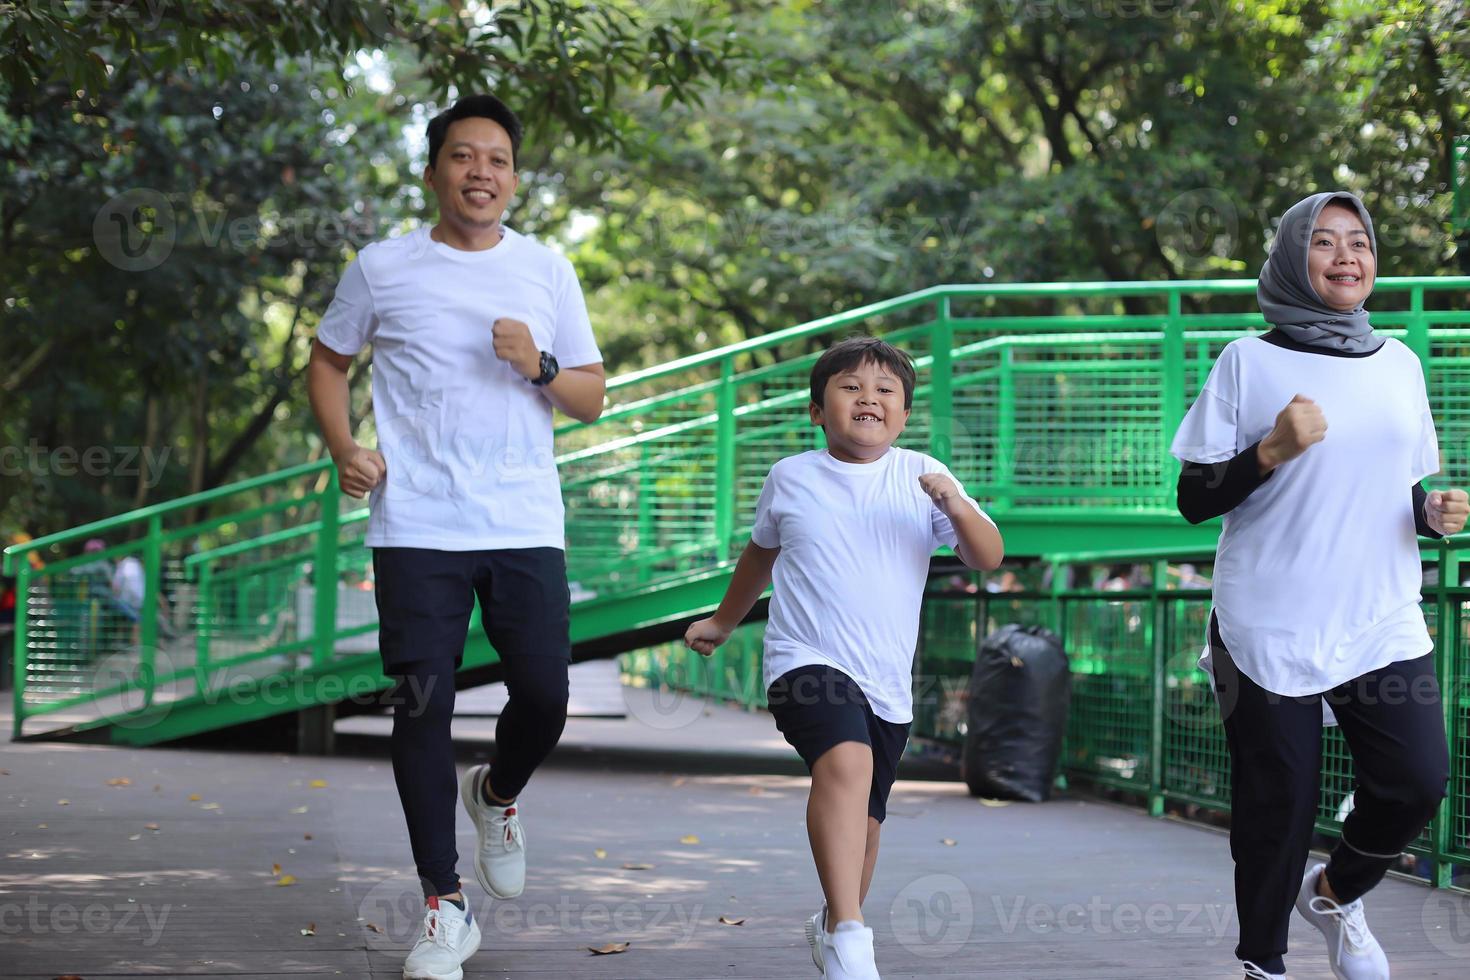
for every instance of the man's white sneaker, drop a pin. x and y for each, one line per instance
(815, 926)
(1352, 952)
(1253, 972)
(449, 938)
(848, 953)
(500, 857)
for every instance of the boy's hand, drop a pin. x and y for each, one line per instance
(703, 636)
(1446, 510)
(941, 489)
(361, 471)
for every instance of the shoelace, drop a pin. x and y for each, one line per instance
(506, 829)
(1354, 926)
(1256, 973)
(433, 928)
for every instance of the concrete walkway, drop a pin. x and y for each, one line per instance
(677, 829)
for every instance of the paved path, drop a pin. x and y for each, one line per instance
(180, 871)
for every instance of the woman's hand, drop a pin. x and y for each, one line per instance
(1446, 510)
(1299, 426)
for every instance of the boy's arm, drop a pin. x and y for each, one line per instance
(980, 545)
(752, 577)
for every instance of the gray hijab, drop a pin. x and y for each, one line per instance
(1287, 298)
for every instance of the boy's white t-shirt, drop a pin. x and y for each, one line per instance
(855, 542)
(1317, 574)
(467, 440)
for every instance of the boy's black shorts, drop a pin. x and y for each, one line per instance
(817, 707)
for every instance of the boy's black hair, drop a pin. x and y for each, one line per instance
(847, 354)
(471, 107)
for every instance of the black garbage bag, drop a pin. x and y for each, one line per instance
(1019, 694)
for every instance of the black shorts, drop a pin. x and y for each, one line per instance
(425, 598)
(817, 707)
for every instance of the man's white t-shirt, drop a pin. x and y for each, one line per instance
(467, 440)
(855, 542)
(129, 582)
(1317, 575)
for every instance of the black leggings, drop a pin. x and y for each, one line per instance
(1393, 722)
(423, 753)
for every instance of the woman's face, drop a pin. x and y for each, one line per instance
(1340, 262)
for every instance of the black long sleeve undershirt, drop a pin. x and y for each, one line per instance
(1208, 490)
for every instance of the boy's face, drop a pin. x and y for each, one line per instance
(862, 413)
(474, 177)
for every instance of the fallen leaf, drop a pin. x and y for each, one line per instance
(726, 920)
(150, 826)
(375, 927)
(689, 839)
(286, 880)
(298, 809)
(310, 930)
(949, 842)
(608, 949)
(4, 772)
(157, 788)
(757, 791)
(63, 802)
(318, 784)
(209, 806)
(195, 797)
(40, 826)
(600, 853)
(68, 976)
(120, 781)
(306, 837)
(986, 802)
(275, 869)
(680, 781)
(637, 867)
(136, 837)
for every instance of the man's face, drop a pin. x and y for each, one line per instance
(862, 412)
(474, 177)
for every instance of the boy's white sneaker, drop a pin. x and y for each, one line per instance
(500, 856)
(1253, 972)
(449, 938)
(815, 927)
(1352, 952)
(848, 952)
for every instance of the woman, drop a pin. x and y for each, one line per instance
(1316, 586)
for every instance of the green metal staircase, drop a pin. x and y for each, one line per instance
(1052, 402)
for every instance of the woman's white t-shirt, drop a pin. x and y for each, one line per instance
(1317, 575)
(467, 440)
(855, 542)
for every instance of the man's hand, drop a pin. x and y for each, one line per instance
(941, 489)
(361, 470)
(1446, 510)
(1299, 426)
(703, 636)
(515, 345)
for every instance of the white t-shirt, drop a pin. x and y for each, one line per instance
(1317, 575)
(855, 542)
(128, 582)
(466, 439)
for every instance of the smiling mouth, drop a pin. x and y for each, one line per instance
(479, 196)
(1344, 278)
(866, 417)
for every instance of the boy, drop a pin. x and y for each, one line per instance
(846, 533)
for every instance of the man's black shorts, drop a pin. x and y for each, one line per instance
(425, 599)
(817, 707)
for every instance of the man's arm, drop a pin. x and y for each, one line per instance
(752, 577)
(358, 469)
(577, 391)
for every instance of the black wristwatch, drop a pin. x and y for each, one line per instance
(549, 370)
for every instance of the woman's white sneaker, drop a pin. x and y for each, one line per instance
(1253, 972)
(1352, 952)
(815, 927)
(848, 952)
(450, 936)
(500, 855)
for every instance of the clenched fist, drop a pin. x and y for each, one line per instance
(1446, 510)
(515, 345)
(703, 636)
(360, 471)
(941, 489)
(1299, 426)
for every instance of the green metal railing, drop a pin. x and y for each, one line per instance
(1143, 718)
(1053, 403)
(1461, 205)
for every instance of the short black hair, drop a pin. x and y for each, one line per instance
(847, 354)
(473, 107)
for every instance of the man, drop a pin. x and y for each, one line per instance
(477, 333)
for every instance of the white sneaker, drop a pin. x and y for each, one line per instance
(500, 858)
(848, 953)
(449, 938)
(1254, 972)
(1352, 952)
(815, 927)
